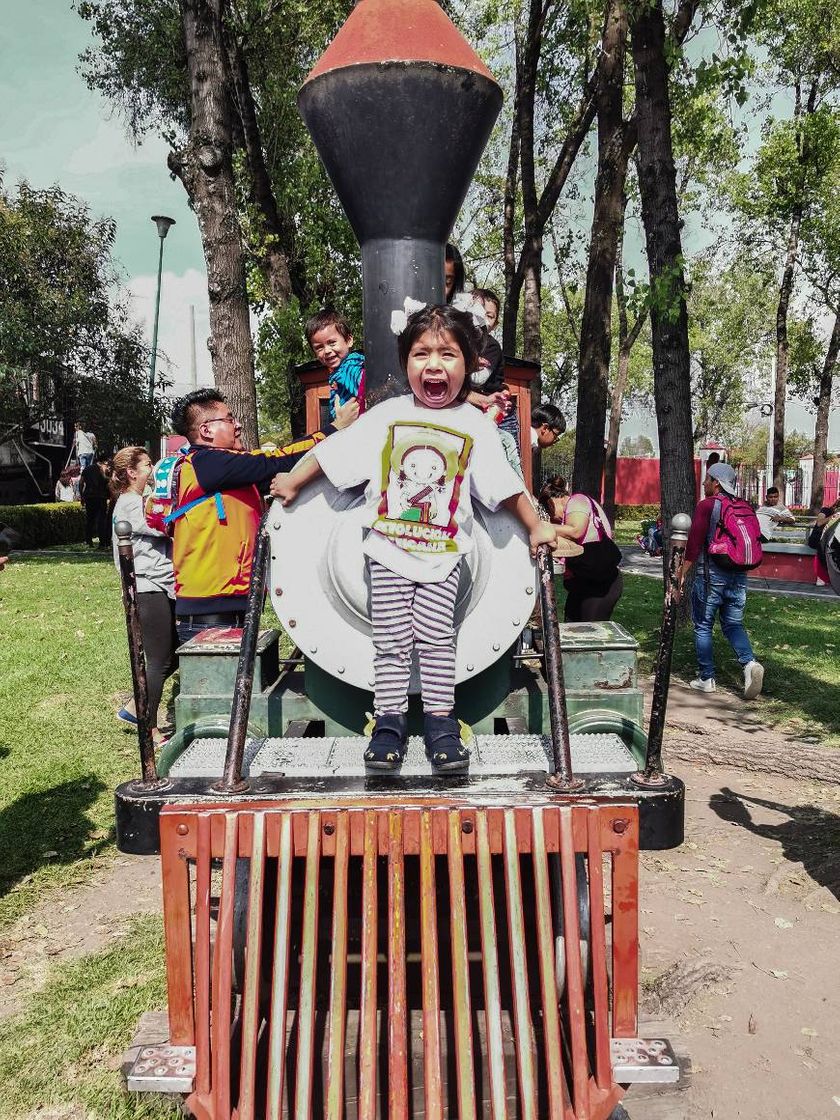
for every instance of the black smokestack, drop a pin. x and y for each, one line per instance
(400, 108)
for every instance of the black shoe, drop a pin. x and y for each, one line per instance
(444, 749)
(387, 746)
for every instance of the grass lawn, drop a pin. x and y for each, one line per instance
(797, 640)
(63, 659)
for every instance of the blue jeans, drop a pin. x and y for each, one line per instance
(724, 592)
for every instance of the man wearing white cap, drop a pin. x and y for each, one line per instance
(717, 590)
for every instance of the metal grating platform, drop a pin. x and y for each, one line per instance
(341, 757)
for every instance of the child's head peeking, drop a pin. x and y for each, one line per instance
(439, 349)
(330, 337)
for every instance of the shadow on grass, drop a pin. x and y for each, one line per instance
(49, 821)
(93, 557)
(809, 836)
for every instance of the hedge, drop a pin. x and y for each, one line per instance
(637, 513)
(43, 525)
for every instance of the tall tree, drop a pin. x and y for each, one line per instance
(218, 79)
(204, 164)
(668, 316)
(628, 335)
(67, 344)
(802, 42)
(821, 241)
(730, 313)
(824, 397)
(552, 57)
(615, 141)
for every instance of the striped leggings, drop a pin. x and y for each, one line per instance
(406, 615)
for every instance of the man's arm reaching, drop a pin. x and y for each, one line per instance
(228, 470)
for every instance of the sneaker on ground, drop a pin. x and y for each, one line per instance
(704, 686)
(125, 716)
(753, 679)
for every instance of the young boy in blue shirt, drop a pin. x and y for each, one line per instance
(331, 340)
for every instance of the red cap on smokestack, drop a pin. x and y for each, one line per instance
(399, 31)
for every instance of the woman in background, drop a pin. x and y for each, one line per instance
(130, 472)
(592, 581)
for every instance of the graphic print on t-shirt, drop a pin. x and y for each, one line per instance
(423, 467)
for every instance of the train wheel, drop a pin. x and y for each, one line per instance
(584, 920)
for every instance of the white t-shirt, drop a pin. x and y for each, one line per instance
(771, 516)
(84, 442)
(423, 467)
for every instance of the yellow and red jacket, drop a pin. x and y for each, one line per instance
(213, 544)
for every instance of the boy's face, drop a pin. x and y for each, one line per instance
(448, 278)
(491, 312)
(330, 346)
(546, 436)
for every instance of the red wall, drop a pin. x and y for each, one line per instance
(796, 566)
(637, 482)
(831, 489)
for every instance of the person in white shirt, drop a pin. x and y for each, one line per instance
(773, 513)
(65, 491)
(154, 574)
(425, 458)
(84, 444)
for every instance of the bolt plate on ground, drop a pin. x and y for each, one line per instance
(163, 1069)
(637, 1060)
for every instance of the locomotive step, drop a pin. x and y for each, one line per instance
(341, 757)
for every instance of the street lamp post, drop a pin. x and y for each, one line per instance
(163, 223)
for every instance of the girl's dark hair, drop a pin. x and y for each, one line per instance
(553, 488)
(439, 319)
(487, 295)
(452, 254)
(327, 318)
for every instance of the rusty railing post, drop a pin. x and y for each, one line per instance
(561, 777)
(136, 655)
(652, 774)
(231, 780)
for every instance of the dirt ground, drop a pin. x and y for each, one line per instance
(740, 940)
(740, 943)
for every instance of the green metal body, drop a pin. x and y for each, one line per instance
(599, 663)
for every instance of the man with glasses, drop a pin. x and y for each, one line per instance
(222, 485)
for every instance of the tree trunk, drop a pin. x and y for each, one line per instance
(532, 306)
(607, 218)
(276, 253)
(668, 316)
(782, 351)
(511, 312)
(523, 276)
(627, 336)
(204, 165)
(785, 291)
(530, 264)
(823, 414)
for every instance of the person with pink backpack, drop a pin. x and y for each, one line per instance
(724, 544)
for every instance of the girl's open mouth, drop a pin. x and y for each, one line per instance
(435, 389)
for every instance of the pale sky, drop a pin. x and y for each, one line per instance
(54, 130)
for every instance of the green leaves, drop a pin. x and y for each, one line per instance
(61, 329)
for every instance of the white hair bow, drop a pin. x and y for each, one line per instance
(466, 301)
(399, 318)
